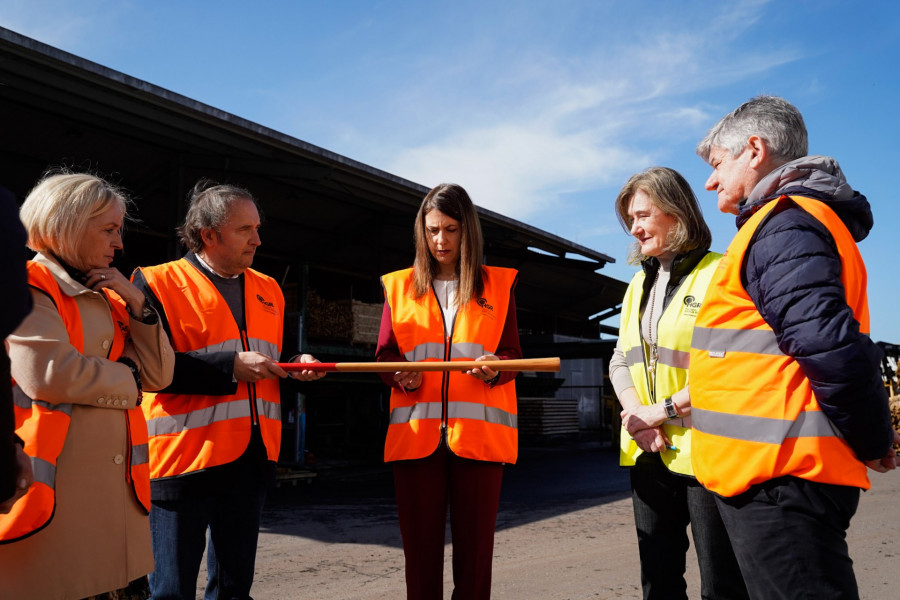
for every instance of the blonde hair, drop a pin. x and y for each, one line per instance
(56, 212)
(673, 195)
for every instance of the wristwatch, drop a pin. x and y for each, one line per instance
(671, 411)
(148, 315)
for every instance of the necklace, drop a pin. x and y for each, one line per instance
(654, 354)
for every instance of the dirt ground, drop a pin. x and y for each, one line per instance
(564, 532)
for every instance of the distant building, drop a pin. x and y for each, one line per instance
(332, 226)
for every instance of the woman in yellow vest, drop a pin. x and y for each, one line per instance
(80, 361)
(649, 374)
(450, 432)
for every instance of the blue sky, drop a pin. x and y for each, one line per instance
(541, 109)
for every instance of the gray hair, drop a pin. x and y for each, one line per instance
(210, 204)
(56, 212)
(771, 118)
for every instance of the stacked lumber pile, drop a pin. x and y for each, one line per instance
(342, 320)
(328, 319)
(366, 322)
(895, 415)
(548, 416)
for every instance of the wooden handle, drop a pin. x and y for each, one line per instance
(522, 364)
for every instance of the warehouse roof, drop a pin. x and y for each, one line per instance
(322, 209)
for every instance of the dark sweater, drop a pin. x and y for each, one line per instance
(210, 374)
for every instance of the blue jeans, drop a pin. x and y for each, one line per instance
(664, 505)
(178, 529)
(789, 535)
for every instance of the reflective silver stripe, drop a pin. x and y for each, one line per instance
(634, 356)
(232, 345)
(420, 410)
(63, 408)
(479, 412)
(428, 350)
(21, 400)
(762, 429)
(720, 341)
(270, 410)
(436, 350)
(44, 472)
(468, 350)
(678, 359)
(456, 410)
(264, 347)
(235, 409)
(140, 454)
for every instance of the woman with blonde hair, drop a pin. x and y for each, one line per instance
(80, 361)
(649, 372)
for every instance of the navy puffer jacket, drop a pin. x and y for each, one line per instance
(792, 273)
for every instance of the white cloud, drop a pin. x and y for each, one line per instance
(518, 153)
(516, 169)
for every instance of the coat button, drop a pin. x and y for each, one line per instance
(119, 459)
(100, 400)
(105, 344)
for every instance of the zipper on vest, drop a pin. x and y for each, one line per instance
(445, 375)
(445, 381)
(251, 387)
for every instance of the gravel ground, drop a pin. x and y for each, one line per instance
(564, 532)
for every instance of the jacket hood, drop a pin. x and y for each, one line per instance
(818, 177)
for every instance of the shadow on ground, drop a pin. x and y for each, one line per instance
(356, 504)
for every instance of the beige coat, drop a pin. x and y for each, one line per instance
(99, 537)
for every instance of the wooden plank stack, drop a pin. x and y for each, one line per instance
(366, 322)
(895, 416)
(328, 319)
(342, 320)
(543, 417)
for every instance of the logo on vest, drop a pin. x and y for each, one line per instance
(691, 306)
(486, 309)
(269, 306)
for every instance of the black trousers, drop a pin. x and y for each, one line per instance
(789, 536)
(664, 504)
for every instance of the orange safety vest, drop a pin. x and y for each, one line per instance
(192, 432)
(480, 422)
(43, 426)
(754, 412)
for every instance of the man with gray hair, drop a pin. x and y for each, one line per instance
(215, 432)
(788, 405)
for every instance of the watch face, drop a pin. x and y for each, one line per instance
(670, 408)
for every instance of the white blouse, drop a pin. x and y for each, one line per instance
(446, 295)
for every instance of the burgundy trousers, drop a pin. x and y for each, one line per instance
(426, 490)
